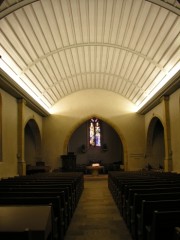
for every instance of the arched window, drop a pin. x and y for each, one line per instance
(94, 132)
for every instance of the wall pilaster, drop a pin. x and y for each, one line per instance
(20, 154)
(167, 135)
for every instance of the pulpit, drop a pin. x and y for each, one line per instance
(69, 162)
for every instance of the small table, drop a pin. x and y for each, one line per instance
(94, 169)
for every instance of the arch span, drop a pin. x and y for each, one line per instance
(32, 147)
(155, 145)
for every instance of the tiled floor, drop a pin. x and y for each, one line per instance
(96, 216)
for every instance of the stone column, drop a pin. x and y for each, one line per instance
(126, 167)
(20, 154)
(167, 135)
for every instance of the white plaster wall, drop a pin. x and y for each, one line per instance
(30, 114)
(8, 166)
(73, 110)
(155, 112)
(174, 103)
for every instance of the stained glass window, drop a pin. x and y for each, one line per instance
(94, 132)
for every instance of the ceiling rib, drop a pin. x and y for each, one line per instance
(166, 5)
(94, 44)
(15, 6)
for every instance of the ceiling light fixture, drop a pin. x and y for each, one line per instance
(16, 79)
(161, 84)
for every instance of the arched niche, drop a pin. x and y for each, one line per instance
(155, 153)
(32, 146)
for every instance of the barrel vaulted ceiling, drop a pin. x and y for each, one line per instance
(53, 48)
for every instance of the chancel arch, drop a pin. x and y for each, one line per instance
(155, 153)
(32, 146)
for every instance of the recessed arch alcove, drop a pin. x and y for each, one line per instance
(32, 146)
(114, 153)
(155, 143)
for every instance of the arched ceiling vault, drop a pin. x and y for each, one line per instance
(53, 48)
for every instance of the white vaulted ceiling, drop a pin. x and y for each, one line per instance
(56, 47)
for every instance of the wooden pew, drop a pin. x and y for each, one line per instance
(16, 219)
(144, 218)
(148, 185)
(137, 205)
(67, 204)
(75, 180)
(37, 193)
(122, 186)
(163, 225)
(130, 201)
(118, 181)
(68, 186)
(54, 202)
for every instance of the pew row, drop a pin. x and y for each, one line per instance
(131, 189)
(61, 190)
(162, 226)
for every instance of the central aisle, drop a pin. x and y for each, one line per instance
(96, 216)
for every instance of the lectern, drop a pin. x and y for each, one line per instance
(69, 162)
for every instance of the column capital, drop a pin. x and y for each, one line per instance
(21, 100)
(20, 155)
(164, 98)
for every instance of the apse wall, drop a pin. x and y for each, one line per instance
(112, 153)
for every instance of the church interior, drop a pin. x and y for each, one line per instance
(90, 119)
